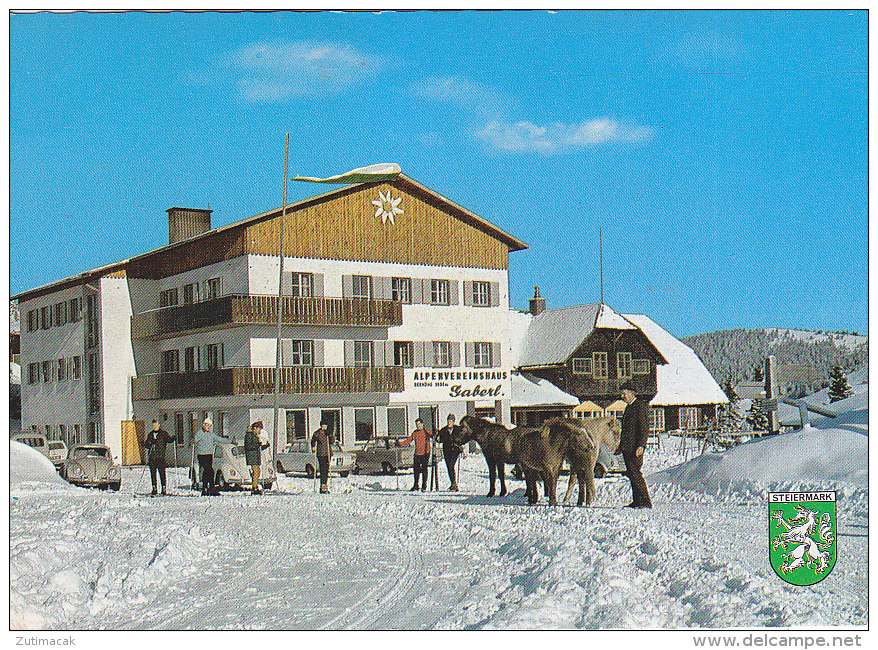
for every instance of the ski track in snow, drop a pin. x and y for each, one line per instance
(370, 557)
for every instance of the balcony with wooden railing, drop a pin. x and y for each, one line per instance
(239, 310)
(242, 380)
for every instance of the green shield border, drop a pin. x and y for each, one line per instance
(802, 576)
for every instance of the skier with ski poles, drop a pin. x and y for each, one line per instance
(321, 442)
(205, 444)
(450, 449)
(157, 443)
(421, 437)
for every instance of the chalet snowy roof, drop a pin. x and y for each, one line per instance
(528, 390)
(554, 335)
(685, 379)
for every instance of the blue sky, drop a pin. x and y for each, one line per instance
(723, 153)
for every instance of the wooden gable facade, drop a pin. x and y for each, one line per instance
(584, 376)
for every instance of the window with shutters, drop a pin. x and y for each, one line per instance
(689, 417)
(396, 421)
(401, 289)
(77, 368)
(361, 286)
(640, 366)
(439, 292)
(482, 354)
(302, 285)
(62, 369)
(581, 366)
(364, 424)
(45, 318)
(623, 365)
(33, 373)
(171, 361)
(189, 360)
(212, 351)
(60, 314)
(441, 354)
(168, 298)
(656, 419)
(75, 310)
(481, 294)
(363, 354)
(296, 429)
(599, 365)
(212, 289)
(33, 320)
(301, 353)
(190, 294)
(47, 371)
(403, 353)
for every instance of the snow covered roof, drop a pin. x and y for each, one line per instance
(554, 335)
(528, 390)
(685, 379)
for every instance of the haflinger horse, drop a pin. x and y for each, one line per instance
(499, 446)
(588, 436)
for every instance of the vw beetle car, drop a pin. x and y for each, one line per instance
(232, 471)
(299, 459)
(384, 455)
(92, 466)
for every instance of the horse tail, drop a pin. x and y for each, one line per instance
(825, 532)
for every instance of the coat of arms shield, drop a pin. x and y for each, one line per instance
(802, 544)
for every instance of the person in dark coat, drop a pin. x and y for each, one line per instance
(635, 433)
(450, 449)
(322, 442)
(157, 444)
(253, 446)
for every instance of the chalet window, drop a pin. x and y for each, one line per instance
(62, 367)
(439, 291)
(75, 310)
(481, 294)
(213, 356)
(189, 360)
(168, 298)
(656, 418)
(363, 354)
(296, 429)
(33, 373)
(77, 368)
(689, 417)
(403, 353)
(33, 320)
(441, 354)
(47, 371)
(623, 365)
(581, 366)
(599, 365)
(396, 421)
(361, 286)
(401, 289)
(641, 366)
(302, 285)
(364, 424)
(171, 361)
(60, 314)
(212, 289)
(302, 353)
(45, 318)
(190, 294)
(482, 357)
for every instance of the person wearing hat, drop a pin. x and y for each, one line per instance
(157, 443)
(321, 442)
(205, 444)
(450, 449)
(253, 446)
(635, 433)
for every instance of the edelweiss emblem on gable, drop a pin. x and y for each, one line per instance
(387, 207)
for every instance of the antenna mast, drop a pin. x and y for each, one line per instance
(601, 247)
(280, 288)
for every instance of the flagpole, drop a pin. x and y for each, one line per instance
(280, 288)
(601, 246)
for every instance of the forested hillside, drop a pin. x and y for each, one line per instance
(735, 354)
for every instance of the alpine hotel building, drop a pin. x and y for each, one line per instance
(388, 315)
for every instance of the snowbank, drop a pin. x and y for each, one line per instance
(28, 467)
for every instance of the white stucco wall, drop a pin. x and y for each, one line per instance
(117, 359)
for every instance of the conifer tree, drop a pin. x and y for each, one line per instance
(838, 385)
(757, 416)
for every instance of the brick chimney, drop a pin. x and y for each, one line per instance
(184, 223)
(537, 303)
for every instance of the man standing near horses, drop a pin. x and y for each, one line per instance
(422, 452)
(450, 449)
(635, 432)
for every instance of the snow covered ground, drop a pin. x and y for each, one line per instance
(373, 556)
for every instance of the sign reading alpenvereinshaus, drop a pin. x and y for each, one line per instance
(802, 535)
(456, 384)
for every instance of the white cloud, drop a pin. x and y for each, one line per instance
(558, 137)
(482, 100)
(275, 70)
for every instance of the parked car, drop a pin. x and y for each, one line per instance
(92, 466)
(299, 459)
(36, 440)
(57, 453)
(232, 471)
(384, 455)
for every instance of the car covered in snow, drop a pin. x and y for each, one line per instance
(91, 465)
(299, 459)
(232, 471)
(384, 455)
(57, 453)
